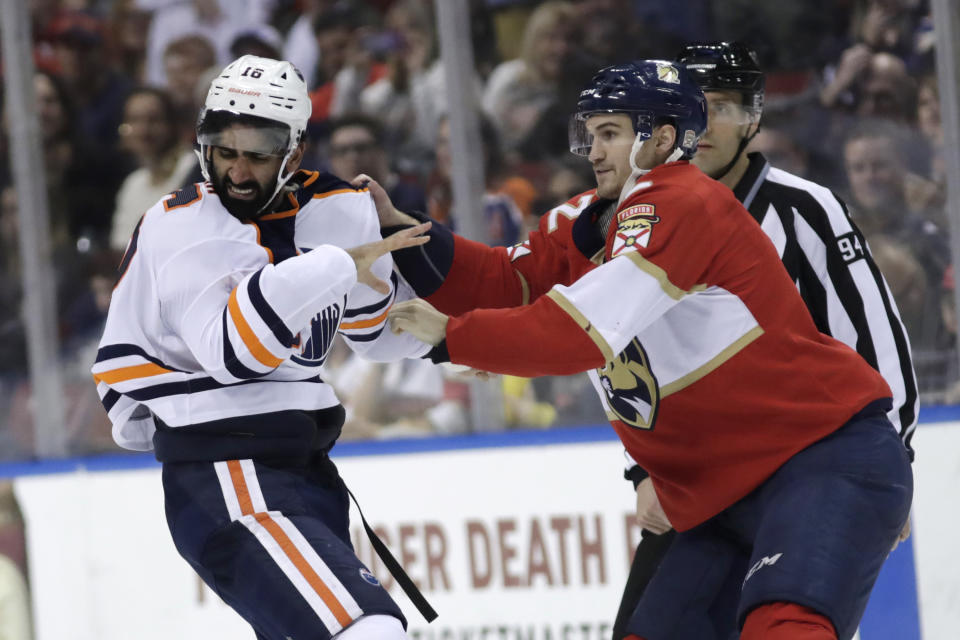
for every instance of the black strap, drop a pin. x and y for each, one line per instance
(396, 570)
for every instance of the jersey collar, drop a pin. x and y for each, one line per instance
(753, 177)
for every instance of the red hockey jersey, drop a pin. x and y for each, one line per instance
(702, 352)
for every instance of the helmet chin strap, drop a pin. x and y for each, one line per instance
(636, 171)
(744, 141)
(281, 181)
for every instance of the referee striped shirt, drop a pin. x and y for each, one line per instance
(828, 259)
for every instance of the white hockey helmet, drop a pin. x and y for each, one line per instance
(267, 92)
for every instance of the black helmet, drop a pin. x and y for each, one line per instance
(726, 66)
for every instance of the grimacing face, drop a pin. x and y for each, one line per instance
(727, 125)
(245, 180)
(613, 137)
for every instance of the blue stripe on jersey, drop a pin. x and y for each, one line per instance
(269, 316)
(376, 306)
(195, 385)
(368, 337)
(109, 399)
(236, 368)
(112, 351)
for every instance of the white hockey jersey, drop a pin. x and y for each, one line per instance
(215, 318)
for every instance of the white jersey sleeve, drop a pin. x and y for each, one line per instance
(364, 323)
(245, 330)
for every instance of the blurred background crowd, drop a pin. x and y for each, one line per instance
(852, 103)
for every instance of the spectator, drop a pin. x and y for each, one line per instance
(781, 150)
(301, 47)
(886, 25)
(503, 217)
(886, 90)
(396, 399)
(519, 91)
(261, 40)
(879, 185)
(97, 91)
(931, 127)
(910, 288)
(208, 18)
(412, 97)
(149, 132)
(356, 146)
(344, 68)
(82, 179)
(187, 61)
(127, 30)
(871, 85)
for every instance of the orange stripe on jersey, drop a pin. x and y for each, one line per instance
(313, 177)
(240, 486)
(286, 544)
(129, 373)
(291, 551)
(318, 196)
(260, 352)
(366, 324)
(284, 214)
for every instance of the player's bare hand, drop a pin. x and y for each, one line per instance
(465, 372)
(904, 534)
(419, 318)
(366, 254)
(389, 215)
(650, 514)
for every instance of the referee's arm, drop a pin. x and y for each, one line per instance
(853, 300)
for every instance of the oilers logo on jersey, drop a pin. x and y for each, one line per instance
(316, 344)
(633, 394)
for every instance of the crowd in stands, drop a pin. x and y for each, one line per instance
(851, 103)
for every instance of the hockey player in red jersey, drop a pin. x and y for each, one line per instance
(759, 432)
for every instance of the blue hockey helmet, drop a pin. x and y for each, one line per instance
(652, 92)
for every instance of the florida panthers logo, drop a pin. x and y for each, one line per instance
(316, 344)
(634, 227)
(668, 73)
(632, 391)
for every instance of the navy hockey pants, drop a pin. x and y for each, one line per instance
(273, 541)
(816, 533)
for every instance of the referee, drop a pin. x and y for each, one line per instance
(822, 250)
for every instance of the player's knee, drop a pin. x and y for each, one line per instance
(786, 621)
(377, 627)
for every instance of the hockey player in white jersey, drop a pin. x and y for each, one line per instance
(230, 294)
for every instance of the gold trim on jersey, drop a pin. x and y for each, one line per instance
(701, 371)
(524, 289)
(660, 276)
(583, 322)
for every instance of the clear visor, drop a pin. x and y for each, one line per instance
(724, 112)
(268, 138)
(581, 139)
